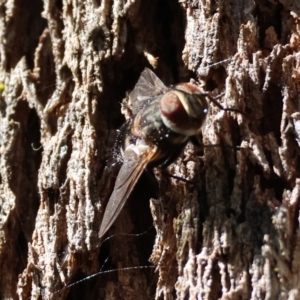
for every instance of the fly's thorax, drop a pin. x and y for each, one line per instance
(184, 109)
(149, 126)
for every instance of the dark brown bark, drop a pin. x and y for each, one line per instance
(233, 233)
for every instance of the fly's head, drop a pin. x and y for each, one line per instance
(184, 108)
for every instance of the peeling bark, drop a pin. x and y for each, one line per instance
(231, 233)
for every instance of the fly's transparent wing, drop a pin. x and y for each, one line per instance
(147, 87)
(136, 159)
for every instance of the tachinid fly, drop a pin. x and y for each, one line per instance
(164, 118)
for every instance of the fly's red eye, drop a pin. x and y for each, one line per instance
(172, 109)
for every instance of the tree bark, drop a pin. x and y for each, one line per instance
(230, 232)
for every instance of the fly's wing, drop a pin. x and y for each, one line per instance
(136, 158)
(147, 87)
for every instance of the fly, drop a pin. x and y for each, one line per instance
(164, 119)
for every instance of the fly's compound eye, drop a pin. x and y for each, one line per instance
(172, 108)
(173, 112)
(182, 113)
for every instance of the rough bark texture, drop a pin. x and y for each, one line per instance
(65, 68)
